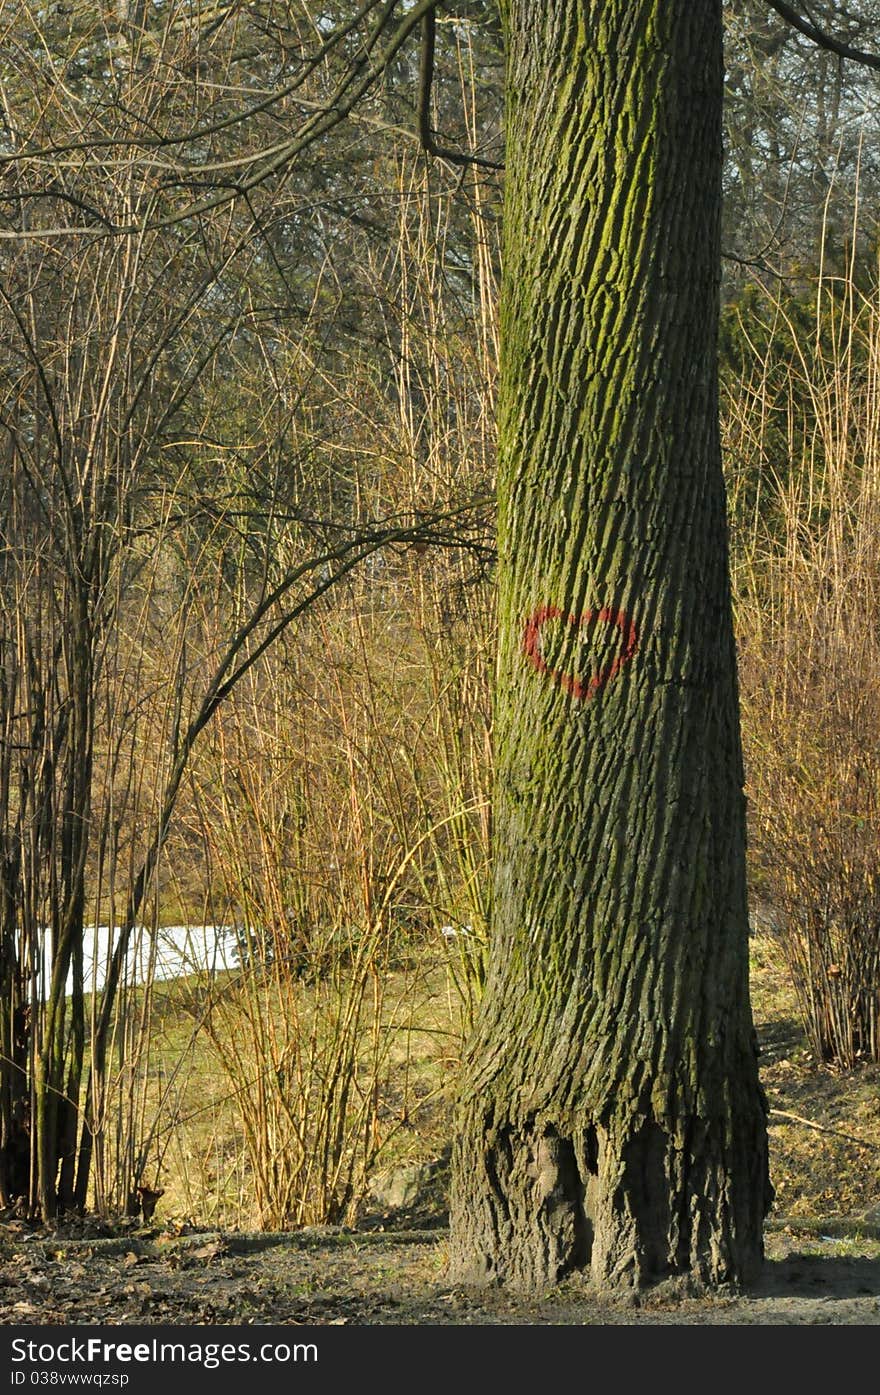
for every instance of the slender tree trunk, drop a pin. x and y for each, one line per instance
(611, 1112)
(15, 1030)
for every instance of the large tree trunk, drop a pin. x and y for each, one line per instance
(611, 1112)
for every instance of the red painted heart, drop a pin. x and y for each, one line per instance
(583, 690)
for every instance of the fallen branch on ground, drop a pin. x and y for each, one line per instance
(823, 1128)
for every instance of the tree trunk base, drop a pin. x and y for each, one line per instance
(531, 1206)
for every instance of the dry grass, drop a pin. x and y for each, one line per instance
(817, 1172)
(225, 1116)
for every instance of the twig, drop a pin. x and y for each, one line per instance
(823, 1128)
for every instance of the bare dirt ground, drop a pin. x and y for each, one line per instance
(77, 1275)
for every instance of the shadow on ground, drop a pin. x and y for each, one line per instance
(806, 1275)
(396, 1277)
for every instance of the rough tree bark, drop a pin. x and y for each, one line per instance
(611, 1112)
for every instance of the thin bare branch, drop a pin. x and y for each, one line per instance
(822, 38)
(423, 115)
